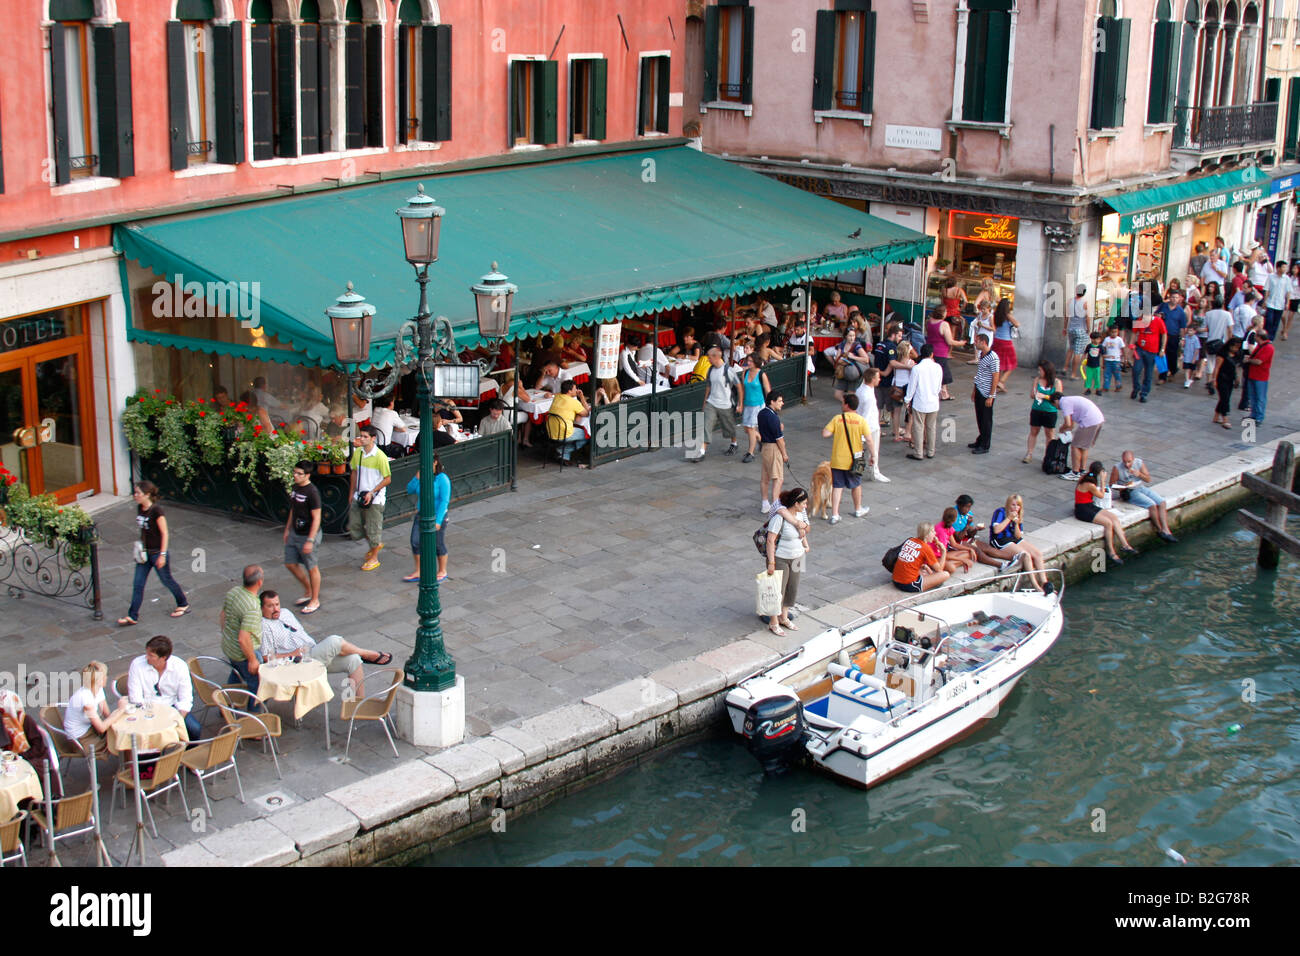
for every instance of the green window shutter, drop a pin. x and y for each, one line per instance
(324, 102)
(599, 82)
(546, 91)
(643, 105)
(972, 102)
(285, 83)
(408, 12)
(59, 103)
(78, 9)
(228, 75)
(194, 10)
(993, 107)
(309, 86)
(113, 92)
(661, 99)
(868, 62)
(1289, 145)
(824, 61)
(177, 96)
(374, 84)
(403, 57)
(1160, 105)
(514, 132)
(435, 111)
(1120, 40)
(354, 85)
(1272, 89)
(746, 63)
(1099, 114)
(259, 64)
(710, 91)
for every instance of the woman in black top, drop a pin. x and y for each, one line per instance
(154, 537)
(1225, 379)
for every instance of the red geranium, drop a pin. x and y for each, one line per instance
(202, 414)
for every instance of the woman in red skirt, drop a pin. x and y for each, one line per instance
(1003, 347)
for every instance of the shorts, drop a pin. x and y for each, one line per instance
(942, 362)
(293, 553)
(916, 587)
(1190, 366)
(1213, 347)
(1078, 341)
(844, 479)
(1041, 419)
(1124, 323)
(440, 544)
(366, 523)
(724, 419)
(1086, 438)
(1293, 305)
(749, 417)
(1144, 497)
(773, 466)
(1086, 511)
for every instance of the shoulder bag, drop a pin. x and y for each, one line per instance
(859, 464)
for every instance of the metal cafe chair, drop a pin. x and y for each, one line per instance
(118, 685)
(11, 844)
(65, 746)
(211, 756)
(56, 748)
(64, 819)
(204, 685)
(264, 726)
(375, 707)
(165, 778)
(555, 425)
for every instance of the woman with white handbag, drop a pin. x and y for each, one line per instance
(151, 553)
(786, 547)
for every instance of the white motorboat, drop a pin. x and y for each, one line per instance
(869, 700)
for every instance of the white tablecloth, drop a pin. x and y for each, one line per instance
(680, 368)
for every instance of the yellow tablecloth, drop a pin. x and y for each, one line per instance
(24, 783)
(156, 724)
(305, 683)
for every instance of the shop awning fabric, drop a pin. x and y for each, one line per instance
(586, 240)
(1161, 205)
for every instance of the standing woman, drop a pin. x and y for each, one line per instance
(1043, 412)
(441, 500)
(155, 536)
(1293, 305)
(901, 366)
(954, 297)
(754, 397)
(1225, 379)
(1003, 347)
(987, 296)
(853, 358)
(785, 552)
(938, 335)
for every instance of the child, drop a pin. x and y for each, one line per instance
(1113, 350)
(867, 408)
(956, 556)
(1191, 355)
(967, 530)
(1092, 365)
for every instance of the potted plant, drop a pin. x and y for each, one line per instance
(339, 451)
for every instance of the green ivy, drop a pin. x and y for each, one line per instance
(44, 520)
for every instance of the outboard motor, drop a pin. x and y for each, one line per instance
(774, 731)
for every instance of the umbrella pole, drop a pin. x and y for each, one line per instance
(514, 428)
(137, 842)
(101, 852)
(49, 815)
(808, 347)
(884, 300)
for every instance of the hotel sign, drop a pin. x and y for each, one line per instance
(1191, 208)
(996, 230)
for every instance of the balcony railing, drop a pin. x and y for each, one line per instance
(1216, 127)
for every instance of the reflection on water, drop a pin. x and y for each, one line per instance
(1136, 733)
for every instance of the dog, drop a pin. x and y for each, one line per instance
(820, 492)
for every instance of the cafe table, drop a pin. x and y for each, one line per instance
(680, 369)
(18, 781)
(155, 724)
(304, 683)
(580, 372)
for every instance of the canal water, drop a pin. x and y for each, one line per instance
(1164, 718)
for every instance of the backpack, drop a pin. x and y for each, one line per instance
(760, 537)
(891, 558)
(701, 371)
(1056, 460)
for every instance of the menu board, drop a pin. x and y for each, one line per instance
(607, 343)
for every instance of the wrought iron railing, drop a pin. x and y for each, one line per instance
(730, 91)
(66, 571)
(1214, 127)
(199, 148)
(83, 163)
(848, 99)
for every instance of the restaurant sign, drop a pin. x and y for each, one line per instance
(607, 339)
(996, 230)
(1191, 208)
(32, 330)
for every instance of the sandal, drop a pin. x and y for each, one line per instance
(370, 565)
(310, 609)
(1027, 459)
(776, 629)
(181, 611)
(411, 578)
(301, 601)
(789, 624)
(442, 577)
(383, 658)
(126, 621)
(1227, 425)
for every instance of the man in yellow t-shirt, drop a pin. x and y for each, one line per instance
(568, 405)
(848, 434)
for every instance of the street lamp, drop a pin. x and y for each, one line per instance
(430, 667)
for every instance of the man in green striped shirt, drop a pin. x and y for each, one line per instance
(241, 627)
(370, 476)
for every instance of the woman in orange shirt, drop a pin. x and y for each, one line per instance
(915, 559)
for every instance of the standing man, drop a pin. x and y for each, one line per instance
(1076, 331)
(1174, 316)
(848, 434)
(986, 373)
(370, 476)
(241, 628)
(1258, 366)
(302, 537)
(1150, 340)
(1243, 314)
(718, 402)
(772, 453)
(1277, 289)
(1216, 268)
(157, 675)
(923, 395)
(1197, 263)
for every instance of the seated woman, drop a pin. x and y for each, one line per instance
(956, 555)
(87, 719)
(19, 733)
(608, 392)
(1006, 537)
(512, 396)
(916, 558)
(688, 347)
(260, 414)
(1092, 486)
(570, 352)
(740, 350)
(763, 348)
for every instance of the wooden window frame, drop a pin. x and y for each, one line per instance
(841, 45)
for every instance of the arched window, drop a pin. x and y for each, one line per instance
(984, 37)
(205, 67)
(314, 71)
(1244, 82)
(423, 76)
(1109, 67)
(363, 73)
(1228, 52)
(1187, 62)
(1164, 63)
(90, 91)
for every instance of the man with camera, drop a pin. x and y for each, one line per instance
(370, 476)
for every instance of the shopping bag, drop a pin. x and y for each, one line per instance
(1162, 364)
(769, 589)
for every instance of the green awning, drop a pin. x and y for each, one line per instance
(1143, 208)
(586, 240)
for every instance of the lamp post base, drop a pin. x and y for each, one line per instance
(430, 718)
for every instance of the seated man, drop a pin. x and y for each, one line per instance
(495, 421)
(283, 636)
(157, 675)
(568, 405)
(1133, 472)
(338, 421)
(266, 400)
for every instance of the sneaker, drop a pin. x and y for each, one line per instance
(862, 512)
(834, 519)
(731, 449)
(1142, 399)
(1009, 563)
(1087, 391)
(766, 506)
(1070, 476)
(747, 459)
(1187, 384)
(877, 476)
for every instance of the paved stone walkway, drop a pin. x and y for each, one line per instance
(584, 579)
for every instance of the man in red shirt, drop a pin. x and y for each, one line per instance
(1149, 340)
(1258, 366)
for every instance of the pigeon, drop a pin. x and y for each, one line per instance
(856, 233)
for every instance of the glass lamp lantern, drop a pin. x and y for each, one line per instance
(421, 224)
(351, 318)
(494, 297)
(456, 381)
